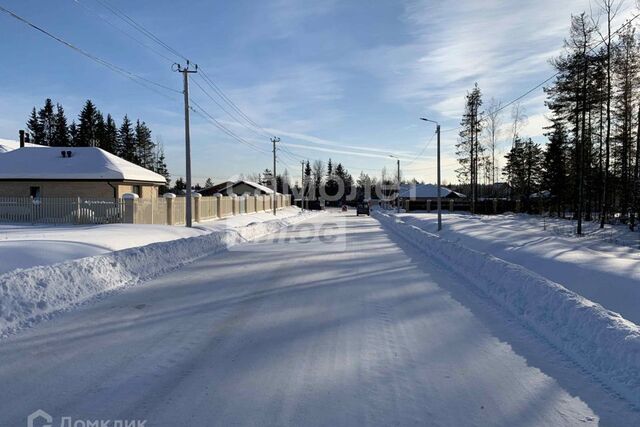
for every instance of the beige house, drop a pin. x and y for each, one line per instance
(86, 172)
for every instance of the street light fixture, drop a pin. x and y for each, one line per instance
(439, 197)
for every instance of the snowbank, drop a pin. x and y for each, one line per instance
(26, 245)
(30, 295)
(599, 340)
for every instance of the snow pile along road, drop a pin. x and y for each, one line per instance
(599, 340)
(30, 295)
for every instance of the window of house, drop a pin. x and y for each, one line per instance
(138, 190)
(34, 192)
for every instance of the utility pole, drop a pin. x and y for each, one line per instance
(274, 180)
(398, 191)
(398, 203)
(439, 192)
(302, 185)
(438, 166)
(187, 138)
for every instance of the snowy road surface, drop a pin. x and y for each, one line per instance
(365, 333)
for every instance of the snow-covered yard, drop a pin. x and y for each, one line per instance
(76, 264)
(25, 246)
(602, 266)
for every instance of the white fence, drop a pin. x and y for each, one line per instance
(170, 211)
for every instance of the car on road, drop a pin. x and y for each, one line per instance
(363, 208)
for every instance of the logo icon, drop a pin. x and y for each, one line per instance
(39, 414)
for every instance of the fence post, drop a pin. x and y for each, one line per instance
(428, 205)
(218, 197)
(495, 206)
(196, 206)
(169, 198)
(450, 205)
(130, 206)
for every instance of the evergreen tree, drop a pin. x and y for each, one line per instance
(554, 177)
(469, 149)
(524, 169)
(161, 166)
(61, 137)
(109, 138)
(35, 128)
(73, 134)
(145, 148)
(208, 183)
(46, 119)
(89, 122)
(127, 141)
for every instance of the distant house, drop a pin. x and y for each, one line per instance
(422, 192)
(238, 187)
(7, 145)
(86, 172)
(215, 189)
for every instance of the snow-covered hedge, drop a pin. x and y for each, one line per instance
(599, 340)
(30, 295)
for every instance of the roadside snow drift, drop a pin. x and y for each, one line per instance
(30, 295)
(599, 340)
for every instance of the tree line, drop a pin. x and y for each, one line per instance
(590, 164)
(130, 141)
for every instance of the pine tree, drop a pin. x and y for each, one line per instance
(127, 141)
(145, 148)
(161, 166)
(469, 150)
(554, 176)
(208, 183)
(109, 138)
(35, 128)
(524, 169)
(61, 137)
(46, 119)
(89, 122)
(73, 134)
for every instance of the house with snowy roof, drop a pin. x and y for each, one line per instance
(87, 172)
(422, 192)
(239, 188)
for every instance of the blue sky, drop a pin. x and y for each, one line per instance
(341, 79)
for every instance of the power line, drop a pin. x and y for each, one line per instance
(132, 22)
(129, 35)
(134, 77)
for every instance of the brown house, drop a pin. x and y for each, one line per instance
(86, 172)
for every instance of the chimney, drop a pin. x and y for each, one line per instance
(21, 138)
(64, 153)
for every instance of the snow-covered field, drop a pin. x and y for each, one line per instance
(596, 266)
(134, 254)
(25, 246)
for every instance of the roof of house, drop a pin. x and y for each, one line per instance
(85, 163)
(258, 187)
(7, 145)
(216, 188)
(426, 191)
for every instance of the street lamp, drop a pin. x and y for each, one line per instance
(439, 197)
(398, 194)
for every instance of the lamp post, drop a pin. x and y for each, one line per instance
(439, 197)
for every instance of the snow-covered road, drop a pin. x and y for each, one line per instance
(362, 333)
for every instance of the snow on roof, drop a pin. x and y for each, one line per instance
(84, 163)
(426, 191)
(7, 145)
(255, 185)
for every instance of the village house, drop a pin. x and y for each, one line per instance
(86, 172)
(238, 188)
